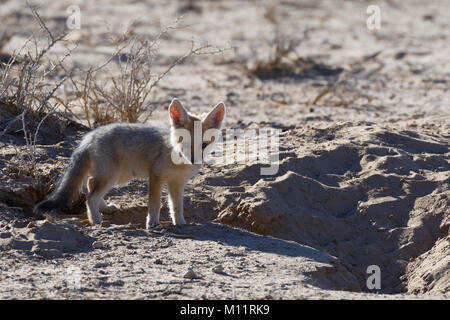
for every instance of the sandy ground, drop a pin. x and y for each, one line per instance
(363, 174)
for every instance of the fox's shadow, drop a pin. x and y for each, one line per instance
(212, 231)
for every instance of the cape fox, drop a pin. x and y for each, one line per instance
(116, 153)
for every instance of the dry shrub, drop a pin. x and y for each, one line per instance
(271, 11)
(28, 85)
(276, 58)
(123, 96)
(343, 89)
(27, 88)
(5, 36)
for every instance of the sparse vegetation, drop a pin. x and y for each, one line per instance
(277, 57)
(31, 95)
(123, 96)
(28, 85)
(281, 59)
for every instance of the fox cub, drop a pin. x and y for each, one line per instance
(116, 153)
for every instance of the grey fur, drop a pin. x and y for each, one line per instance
(114, 143)
(116, 153)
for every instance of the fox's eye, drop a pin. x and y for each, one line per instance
(204, 145)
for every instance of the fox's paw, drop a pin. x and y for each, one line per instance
(152, 223)
(96, 221)
(153, 226)
(179, 221)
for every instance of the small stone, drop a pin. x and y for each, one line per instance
(98, 245)
(158, 261)
(190, 274)
(100, 265)
(217, 269)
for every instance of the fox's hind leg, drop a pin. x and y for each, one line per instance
(104, 207)
(97, 188)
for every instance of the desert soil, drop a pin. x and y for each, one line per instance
(363, 173)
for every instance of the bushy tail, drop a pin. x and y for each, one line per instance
(68, 184)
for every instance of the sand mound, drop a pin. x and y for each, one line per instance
(430, 272)
(54, 128)
(366, 194)
(363, 193)
(43, 238)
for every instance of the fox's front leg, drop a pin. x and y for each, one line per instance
(176, 192)
(154, 201)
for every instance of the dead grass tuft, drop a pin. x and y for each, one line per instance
(278, 57)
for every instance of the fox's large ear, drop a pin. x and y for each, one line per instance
(215, 116)
(178, 114)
